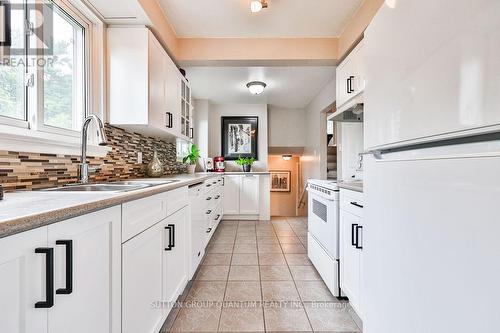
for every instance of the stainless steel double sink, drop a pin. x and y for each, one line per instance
(120, 186)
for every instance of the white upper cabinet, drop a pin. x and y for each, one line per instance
(145, 86)
(350, 77)
(431, 72)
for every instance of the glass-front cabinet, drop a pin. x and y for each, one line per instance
(186, 110)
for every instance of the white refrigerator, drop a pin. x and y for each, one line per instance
(431, 251)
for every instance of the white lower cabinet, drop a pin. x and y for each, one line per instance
(64, 277)
(351, 245)
(241, 194)
(142, 281)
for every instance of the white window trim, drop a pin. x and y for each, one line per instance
(16, 135)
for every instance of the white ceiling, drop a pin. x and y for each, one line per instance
(288, 87)
(283, 18)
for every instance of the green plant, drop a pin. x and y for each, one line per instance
(193, 155)
(245, 161)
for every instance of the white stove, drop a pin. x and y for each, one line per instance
(323, 231)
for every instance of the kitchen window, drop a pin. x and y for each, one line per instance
(45, 69)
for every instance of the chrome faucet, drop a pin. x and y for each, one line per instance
(83, 167)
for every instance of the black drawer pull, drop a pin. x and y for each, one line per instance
(49, 278)
(208, 230)
(209, 198)
(354, 239)
(354, 203)
(171, 237)
(69, 267)
(217, 197)
(208, 212)
(217, 217)
(358, 228)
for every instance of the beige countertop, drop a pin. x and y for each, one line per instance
(353, 186)
(22, 211)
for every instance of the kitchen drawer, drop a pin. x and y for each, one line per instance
(141, 214)
(176, 199)
(352, 202)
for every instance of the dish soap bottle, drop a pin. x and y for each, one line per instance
(155, 167)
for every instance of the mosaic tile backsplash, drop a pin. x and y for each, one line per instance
(29, 171)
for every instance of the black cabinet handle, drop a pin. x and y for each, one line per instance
(217, 217)
(208, 230)
(171, 237)
(354, 203)
(354, 237)
(358, 228)
(208, 212)
(170, 120)
(49, 278)
(69, 267)
(349, 87)
(217, 197)
(209, 198)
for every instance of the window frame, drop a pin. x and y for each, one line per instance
(32, 134)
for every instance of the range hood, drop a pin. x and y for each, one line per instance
(352, 111)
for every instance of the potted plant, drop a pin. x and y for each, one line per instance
(246, 163)
(192, 158)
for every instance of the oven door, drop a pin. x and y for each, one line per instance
(323, 222)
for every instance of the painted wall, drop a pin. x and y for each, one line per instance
(285, 203)
(314, 160)
(216, 111)
(286, 127)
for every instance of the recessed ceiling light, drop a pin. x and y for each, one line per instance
(257, 5)
(256, 87)
(286, 157)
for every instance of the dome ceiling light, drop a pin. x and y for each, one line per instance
(257, 5)
(256, 87)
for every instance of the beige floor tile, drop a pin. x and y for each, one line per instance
(217, 259)
(245, 248)
(279, 291)
(212, 273)
(269, 248)
(295, 259)
(244, 273)
(197, 319)
(289, 240)
(242, 319)
(275, 273)
(265, 232)
(207, 291)
(293, 248)
(243, 291)
(225, 233)
(272, 259)
(245, 233)
(267, 240)
(314, 291)
(219, 248)
(223, 240)
(330, 317)
(285, 232)
(307, 273)
(244, 259)
(290, 318)
(246, 240)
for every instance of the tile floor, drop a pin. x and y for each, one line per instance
(256, 277)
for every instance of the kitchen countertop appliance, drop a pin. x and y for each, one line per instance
(220, 165)
(323, 231)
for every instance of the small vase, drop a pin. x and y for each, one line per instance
(191, 168)
(247, 168)
(155, 167)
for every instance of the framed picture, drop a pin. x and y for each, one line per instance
(280, 181)
(239, 137)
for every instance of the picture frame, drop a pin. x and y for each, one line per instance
(239, 137)
(281, 181)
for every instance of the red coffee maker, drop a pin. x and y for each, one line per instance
(219, 165)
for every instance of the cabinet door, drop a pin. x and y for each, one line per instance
(232, 186)
(349, 258)
(157, 80)
(142, 281)
(173, 102)
(249, 194)
(87, 252)
(341, 85)
(22, 273)
(175, 256)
